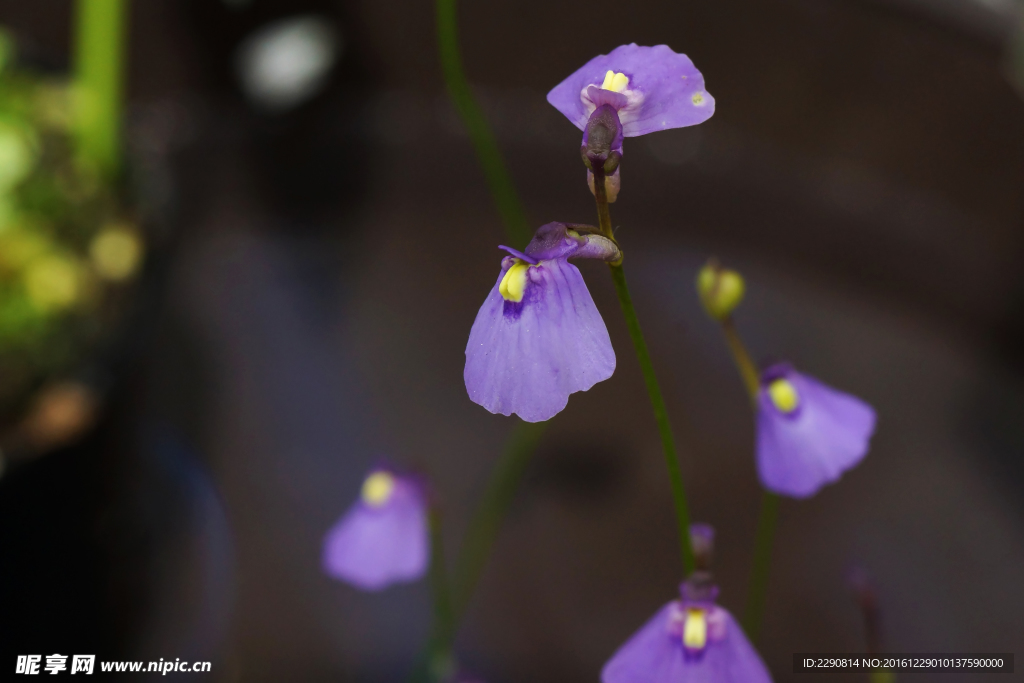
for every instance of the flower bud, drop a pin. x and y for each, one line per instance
(720, 290)
(602, 135)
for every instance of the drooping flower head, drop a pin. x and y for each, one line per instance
(808, 433)
(538, 336)
(690, 639)
(633, 90)
(384, 536)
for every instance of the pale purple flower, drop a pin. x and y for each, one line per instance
(649, 88)
(384, 537)
(688, 640)
(808, 433)
(634, 90)
(538, 336)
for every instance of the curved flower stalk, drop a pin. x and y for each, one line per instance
(634, 90)
(383, 538)
(808, 433)
(538, 336)
(689, 639)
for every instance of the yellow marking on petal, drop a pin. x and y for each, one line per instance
(377, 488)
(784, 395)
(698, 99)
(695, 630)
(616, 82)
(514, 283)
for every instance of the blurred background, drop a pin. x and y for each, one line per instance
(319, 238)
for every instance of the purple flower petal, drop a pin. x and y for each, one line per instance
(665, 90)
(383, 540)
(655, 654)
(527, 357)
(802, 450)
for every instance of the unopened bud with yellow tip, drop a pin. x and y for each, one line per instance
(721, 290)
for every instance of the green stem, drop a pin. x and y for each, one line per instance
(767, 520)
(668, 442)
(486, 521)
(99, 65)
(675, 474)
(766, 524)
(501, 490)
(744, 363)
(450, 603)
(444, 620)
(604, 216)
(516, 226)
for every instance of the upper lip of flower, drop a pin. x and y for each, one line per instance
(625, 103)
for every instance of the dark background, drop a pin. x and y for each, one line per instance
(863, 170)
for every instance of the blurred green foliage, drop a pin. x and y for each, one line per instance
(66, 250)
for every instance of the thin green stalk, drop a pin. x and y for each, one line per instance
(451, 601)
(668, 445)
(99, 73)
(668, 442)
(744, 363)
(767, 520)
(491, 160)
(486, 521)
(758, 592)
(444, 617)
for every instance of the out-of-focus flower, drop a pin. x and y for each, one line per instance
(690, 639)
(632, 91)
(808, 433)
(538, 336)
(384, 537)
(720, 289)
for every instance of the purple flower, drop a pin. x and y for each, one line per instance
(538, 336)
(383, 538)
(633, 91)
(808, 433)
(649, 88)
(691, 639)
